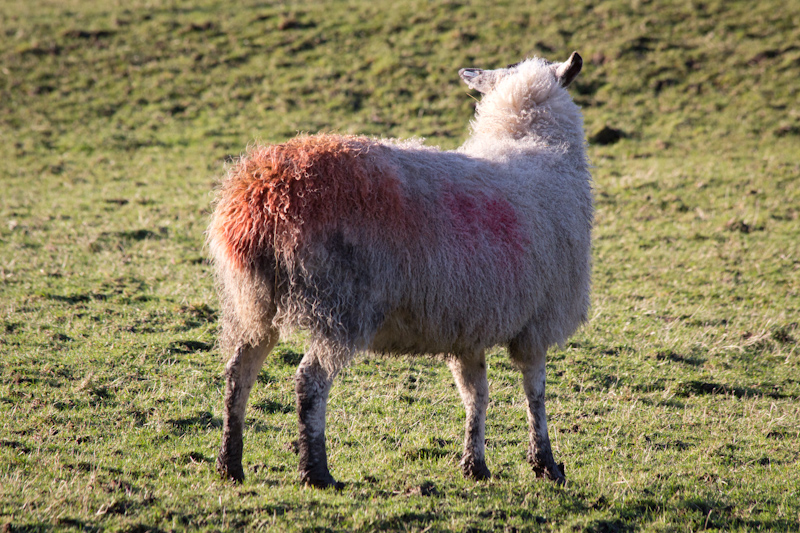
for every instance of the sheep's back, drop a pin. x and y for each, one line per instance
(400, 247)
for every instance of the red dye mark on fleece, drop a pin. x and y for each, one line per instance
(501, 221)
(276, 195)
(480, 221)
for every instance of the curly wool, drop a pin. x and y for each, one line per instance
(395, 247)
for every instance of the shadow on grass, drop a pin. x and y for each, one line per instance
(108, 240)
(703, 513)
(60, 524)
(273, 407)
(670, 355)
(186, 347)
(202, 421)
(700, 388)
(287, 356)
(73, 299)
(402, 522)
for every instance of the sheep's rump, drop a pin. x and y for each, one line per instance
(396, 248)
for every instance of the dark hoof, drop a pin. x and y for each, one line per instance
(335, 485)
(476, 470)
(321, 482)
(228, 471)
(551, 471)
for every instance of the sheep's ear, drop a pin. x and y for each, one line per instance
(478, 79)
(568, 70)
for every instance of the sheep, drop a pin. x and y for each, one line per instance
(394, 247)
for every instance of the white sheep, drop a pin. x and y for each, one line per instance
(399, 248)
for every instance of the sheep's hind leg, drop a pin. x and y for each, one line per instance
(240, 375)
(540, 454)
(469, 371)
(312, 385)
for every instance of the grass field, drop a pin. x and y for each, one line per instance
(676, 408)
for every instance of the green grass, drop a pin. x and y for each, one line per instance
(677, 408)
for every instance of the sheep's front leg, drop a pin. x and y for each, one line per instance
(469, 371)
(540, 454)
(312, 385)
(240, 375)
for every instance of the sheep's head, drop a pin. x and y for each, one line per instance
(527, 98)
(484, 81)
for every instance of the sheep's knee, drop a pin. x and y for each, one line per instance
(240, 375)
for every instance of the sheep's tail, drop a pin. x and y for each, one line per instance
(248, 307)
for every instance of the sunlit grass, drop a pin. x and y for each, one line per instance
(675, 408)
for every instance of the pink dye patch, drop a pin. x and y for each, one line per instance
(489, 222)
(501, 221)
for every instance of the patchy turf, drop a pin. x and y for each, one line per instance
(675, 408)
